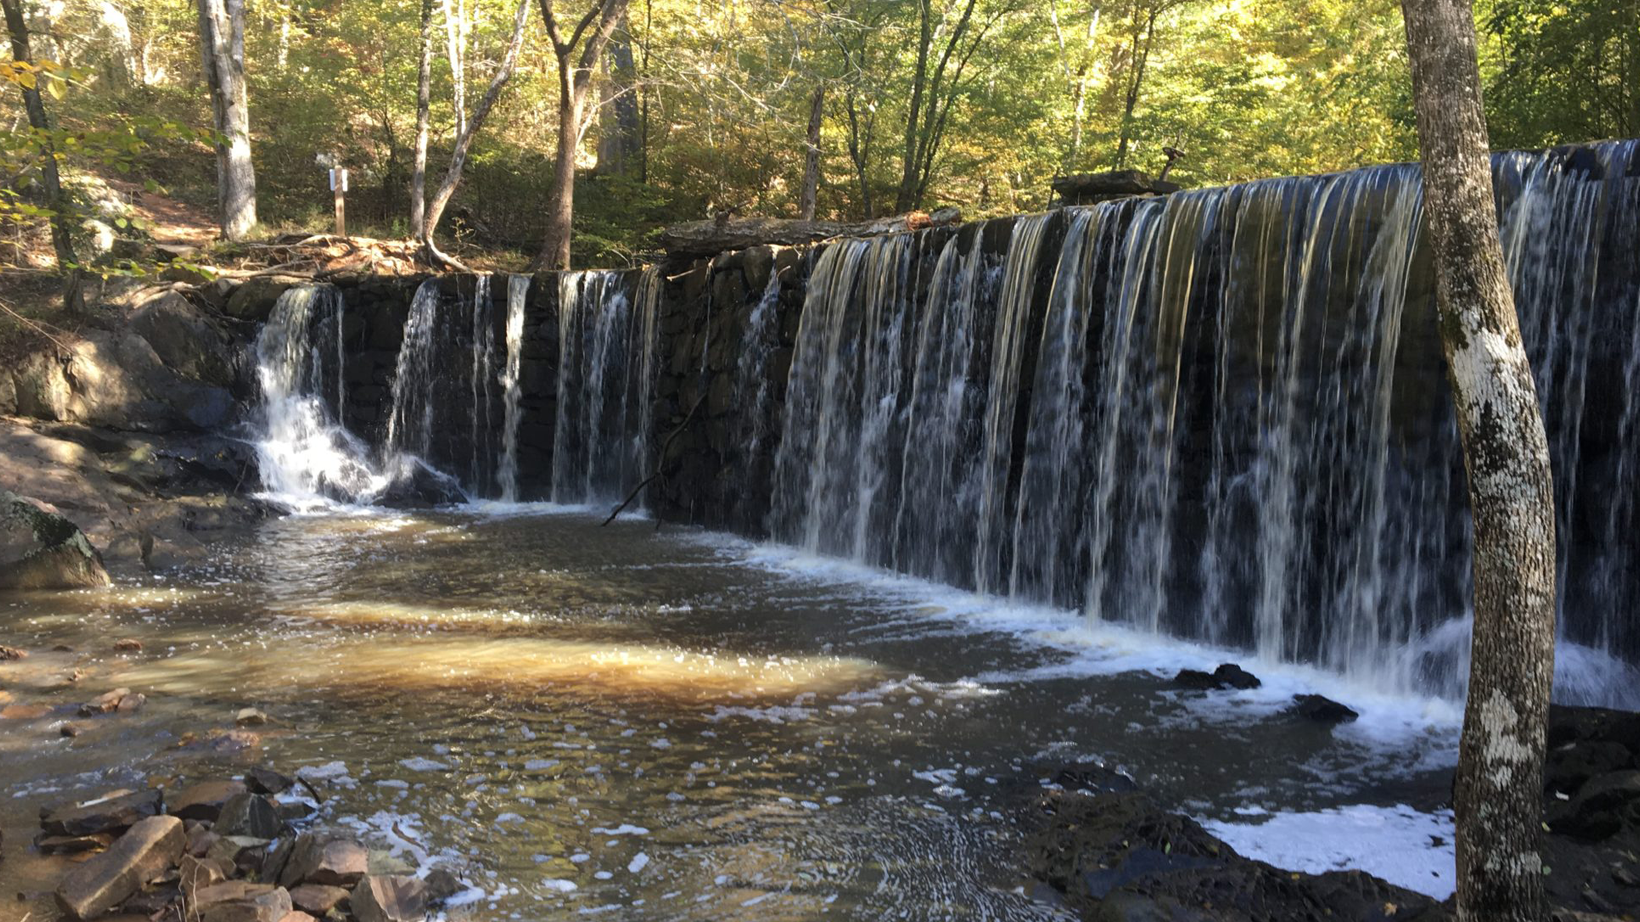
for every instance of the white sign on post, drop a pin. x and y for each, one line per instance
(334, 179)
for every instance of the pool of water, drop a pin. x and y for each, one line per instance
(666, 723)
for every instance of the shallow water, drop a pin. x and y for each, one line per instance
(665, 724)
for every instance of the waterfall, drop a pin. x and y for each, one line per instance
(485, 380)
(306, 457)
(518, 289)
(606, 371)
(1221, 415)
(416, 377)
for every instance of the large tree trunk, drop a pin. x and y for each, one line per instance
(222, 52)
(811, 160)
(591, 34)
(424, 104)
(62, 240)
(1500, 760)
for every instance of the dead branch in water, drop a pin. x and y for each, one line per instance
(662, 454)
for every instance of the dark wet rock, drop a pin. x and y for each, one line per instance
(267, 781)
(203, 801)
(250, 717)
(68, 730)
(248, 815)
(1321, 710)
(72, 845)
(238, 901)
(317, 899)
(144, 854)
(128, 645)
(1228, 675)
(1602, 808)
(394, 898)
(317, 858)
(1568, 768)
(274, 861)
(110, 814)
(40, 549)
(1119, 857)
(241, 853)
(294, 811)
(1093, 778)
(442, 883)
(420, 486)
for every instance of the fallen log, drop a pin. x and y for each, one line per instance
(709, 238)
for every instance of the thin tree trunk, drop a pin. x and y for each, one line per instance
(1500, 759)
(471, 126)
(1141, 57)
(424, 104)
(574, 83)
(919, 80)
(222, 49)
(62, 240)
(811, 161)
(620, 142)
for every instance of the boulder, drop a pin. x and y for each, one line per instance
(203, 801)
(248, 815)
(110, 814)
(254, 299)
(40, 549)
(395, 898)
(317, 899)
(1569, 767)
(239, 853)
(323, 859)
(1228, 675)
(418, 485)
(1601, 809)
(187, 341)
(1321, 710)
(141, 856)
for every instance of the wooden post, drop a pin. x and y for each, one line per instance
(338, 185)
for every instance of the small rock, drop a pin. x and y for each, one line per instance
(267, 781)
(250, 717)
(68, 730)
(200, 841)
(244, 903)
(60, 648)
(131, 703)
(142, 855)
(11, 653)
(1196, 679)
(128, 645)
(105, 703)
(112, 813)
(317, 898)
(203, 801)
(1234, 676)
(71, 845)
(248, 815)
(442, 883)
(198, 873)
(331, 860)
(1322, 710)
(242, 853)
(390, 898)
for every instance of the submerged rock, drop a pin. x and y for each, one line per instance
(1228, 675)
(1321, 709)
(141, 856)
(40, 549)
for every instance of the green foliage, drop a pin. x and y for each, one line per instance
(1034, 89)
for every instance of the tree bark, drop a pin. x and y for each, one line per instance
(424, 104)
(810, 198)
(470, 126)
(590, 34)
(620, 138)
(222, 51)
(1506, 455)
(62, 239)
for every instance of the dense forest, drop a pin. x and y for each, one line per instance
(694, 108)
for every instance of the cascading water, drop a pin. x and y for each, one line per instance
(1221, 415)
(606, 370)
(518, 289)
(306, 456)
